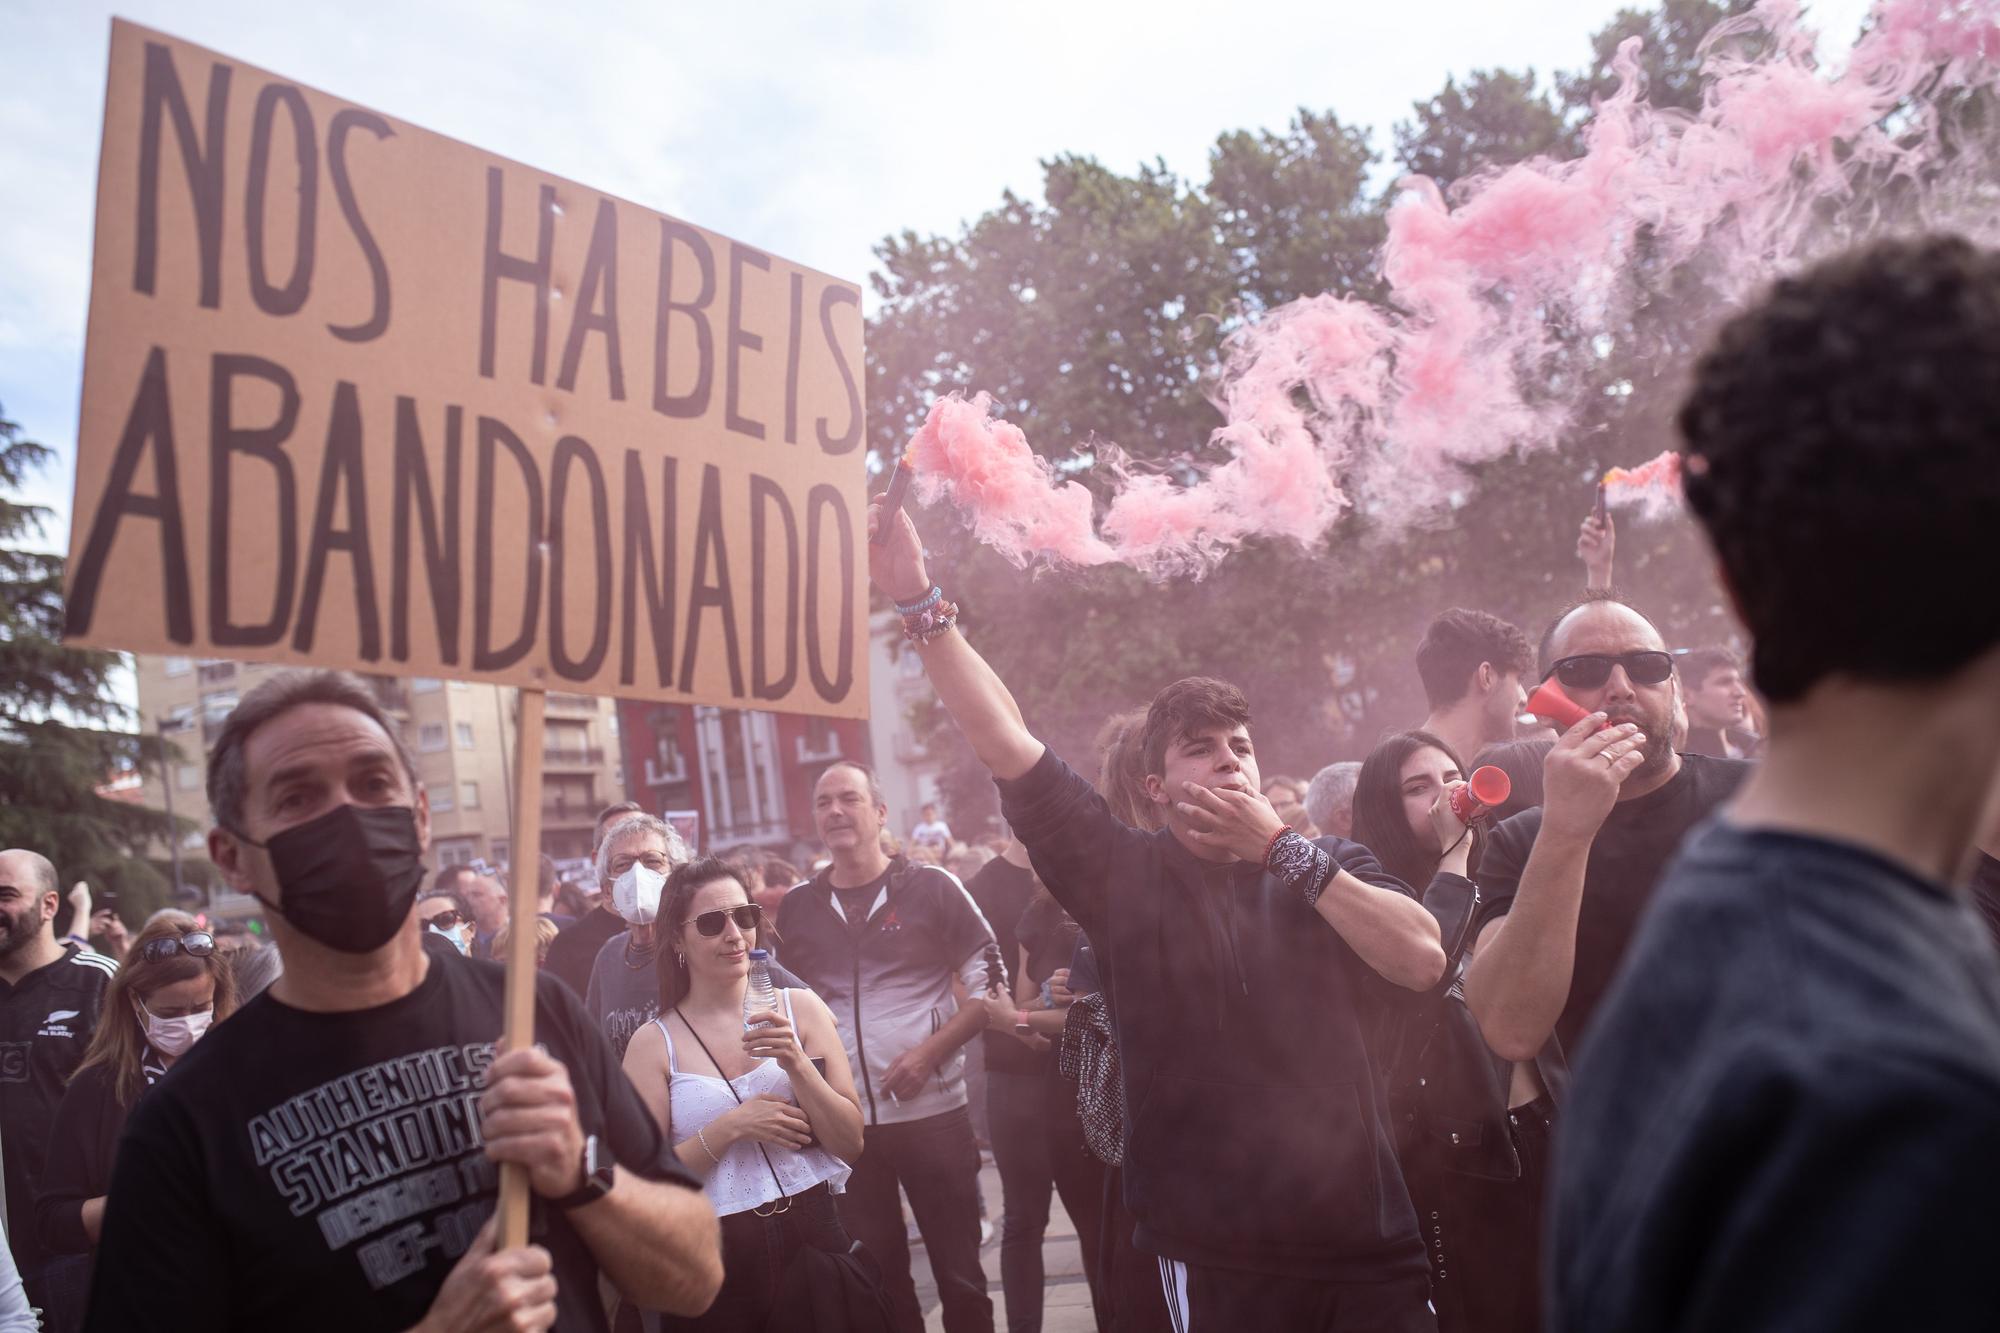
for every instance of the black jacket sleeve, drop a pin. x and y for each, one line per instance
(81, 1144)
(1071, 835)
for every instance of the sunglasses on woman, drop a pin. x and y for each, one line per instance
(448, 919)
(1587, 671)
(198, 943)
(747, 917)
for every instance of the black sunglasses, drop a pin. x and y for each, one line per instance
(448, 918)
(198, 943)
(747, 917)
(1587, 671)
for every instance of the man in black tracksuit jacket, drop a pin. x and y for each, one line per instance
(1250, 973)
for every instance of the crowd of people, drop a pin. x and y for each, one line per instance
(1698, 1027)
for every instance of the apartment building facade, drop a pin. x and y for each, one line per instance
(749, 776)
(461, 736)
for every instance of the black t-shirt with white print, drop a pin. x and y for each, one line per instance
(314, 1171)
(46, 1022)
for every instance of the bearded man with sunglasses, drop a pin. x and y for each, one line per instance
(329, 1158)
(51, 998)
(1568, 881)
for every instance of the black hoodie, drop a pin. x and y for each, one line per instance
(1252, 1037)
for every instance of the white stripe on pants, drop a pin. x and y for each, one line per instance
(1174, 1282)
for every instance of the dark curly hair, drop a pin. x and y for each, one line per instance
(1455, 646)
(1840, 450)
(1189, 705)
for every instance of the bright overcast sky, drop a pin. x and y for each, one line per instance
(809, 130)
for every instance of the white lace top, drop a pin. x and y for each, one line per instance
(742, 1181)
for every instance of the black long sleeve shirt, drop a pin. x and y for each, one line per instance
(82, 1146)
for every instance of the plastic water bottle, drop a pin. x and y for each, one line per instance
(760, 996)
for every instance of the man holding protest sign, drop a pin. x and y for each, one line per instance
(329, 1158)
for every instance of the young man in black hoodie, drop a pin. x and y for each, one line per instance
(1783, 1116)
(1252, 972)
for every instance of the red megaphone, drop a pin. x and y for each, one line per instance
(1552, 706)
(1488, 787)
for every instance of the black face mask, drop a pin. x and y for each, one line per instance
(348, 878)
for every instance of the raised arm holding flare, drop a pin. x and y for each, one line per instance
(1218, 822)
(1239, 1018)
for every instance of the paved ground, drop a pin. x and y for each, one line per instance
(1065, 1295)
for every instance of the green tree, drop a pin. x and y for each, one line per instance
(1496, 118)
(1293, 212)
(1669, 54)
(62, 729)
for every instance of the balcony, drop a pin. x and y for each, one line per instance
(570, 703)
(566, 809)
(573, 757)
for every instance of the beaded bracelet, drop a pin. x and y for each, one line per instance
(924, 603)
(1283, 829)
(931, 623)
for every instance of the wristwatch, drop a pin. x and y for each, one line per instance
(1021, 1022)
(597, 1169)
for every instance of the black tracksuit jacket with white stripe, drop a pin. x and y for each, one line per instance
(46, 1022)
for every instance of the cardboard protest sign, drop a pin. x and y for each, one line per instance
(359, 395)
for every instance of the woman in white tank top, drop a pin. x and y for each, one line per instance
(748, 1110)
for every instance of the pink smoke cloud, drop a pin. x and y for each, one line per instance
(1330, 401)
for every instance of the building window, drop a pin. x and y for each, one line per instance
(465, 741)
(468, 795)
(179, 666)
(430, 737)
(217, 673)
(457, 851)
(820, 744)
(425, 685)
(215, 710)
(187, 777)
(441, 799)
(459, 685)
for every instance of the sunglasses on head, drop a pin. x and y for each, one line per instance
(747, 917)
(448, 918)
(1587, 671)
(197, 943)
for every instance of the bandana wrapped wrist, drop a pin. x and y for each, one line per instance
(1300, 864)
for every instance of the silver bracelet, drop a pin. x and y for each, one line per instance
(701, 1137)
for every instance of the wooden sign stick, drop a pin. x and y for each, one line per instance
(524, 883)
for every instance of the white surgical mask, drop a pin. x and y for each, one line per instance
(173, 1036)
(458, 936)
(635, 895)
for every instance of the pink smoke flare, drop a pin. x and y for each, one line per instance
(1653, 488)
(1331, 402)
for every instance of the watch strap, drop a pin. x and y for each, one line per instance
(596, 1178)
